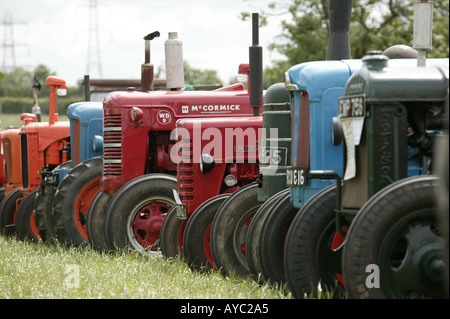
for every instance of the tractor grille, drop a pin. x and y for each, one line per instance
(186, 172)
(24, 150)
(112, 145)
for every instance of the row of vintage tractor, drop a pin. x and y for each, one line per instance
(330, 180)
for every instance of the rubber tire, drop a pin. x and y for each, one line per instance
(68, 230)
(8, 211)
(171, 235)
(130, 196)
(271, 246)
(370, 229)
(301, 251)
(42, 209)
(196, 230)
(228, 230)
(2, 194)
(95, 224)
(254, 234)
(25, 224)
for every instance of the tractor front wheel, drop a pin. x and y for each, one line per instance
(43, 204)
(313, 248)
(95, 223)
(395, 246)
(25, 224)
(229, 230)
(271, 244)
(135, 214)
(8, 211)
(254, 235)
(171, 235)
(196, 238)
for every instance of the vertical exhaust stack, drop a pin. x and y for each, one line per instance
(36, 109)
(87, 88)
(255, 85)
(174, 62)
(339, 40)
(147, 70)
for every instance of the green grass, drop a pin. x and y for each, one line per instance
(43, 271)
(14, 120)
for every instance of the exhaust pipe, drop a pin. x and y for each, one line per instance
(255, 85)
(174, 62)
(36, 109)
(339, 40)
(87, 88)
(147, 71)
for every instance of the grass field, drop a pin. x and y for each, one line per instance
(32, 271)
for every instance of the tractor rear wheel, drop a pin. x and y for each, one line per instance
(171, 235)
(135, 214)
(397, 233)
(72, 200)
(25, 224)
(313, 247)
(254, 234)
(95, 224)
(8, 211)
(271, 245)
(229, 230)
(43, 204)
(196, 238)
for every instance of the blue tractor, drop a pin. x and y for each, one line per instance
(86, 134)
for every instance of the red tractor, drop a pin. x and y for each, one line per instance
(43, 146)
(208, 172)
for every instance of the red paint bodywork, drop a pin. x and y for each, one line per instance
(134, 148)
(195, 187)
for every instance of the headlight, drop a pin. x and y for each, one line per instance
(97, 143)
(206, 163)
(230, 180)
(337, 135)
(136, 114)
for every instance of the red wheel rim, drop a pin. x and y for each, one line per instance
(33, 227)
(337, 241)
(207, 247)
(147, 224)
(82, 202)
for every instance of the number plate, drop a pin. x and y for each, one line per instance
(296, 176)
(352, 106)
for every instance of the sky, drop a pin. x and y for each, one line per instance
(55, 33)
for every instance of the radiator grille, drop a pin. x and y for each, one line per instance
(186, 171)
(112, 145)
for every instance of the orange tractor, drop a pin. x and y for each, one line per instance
(28, 151)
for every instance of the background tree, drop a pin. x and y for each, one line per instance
(375, 25)
(19, 82)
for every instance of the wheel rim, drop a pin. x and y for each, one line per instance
(207, 247)
(34, 228)
(240, 234)
(410, 257)
(329, 256)
(82, 202)
(145, 221)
